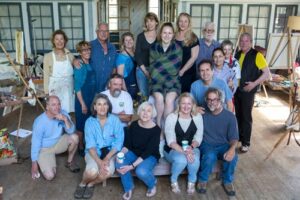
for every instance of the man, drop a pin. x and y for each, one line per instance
(48, 140)
(207, 43)
(207, 80)
(254, 70)
(121, 100)
(219, 142)
(103, 57)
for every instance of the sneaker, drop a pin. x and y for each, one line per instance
(229, 189)
(201, 187)
(244, 148)
(190, 188)
(175, 188)
(152, 192)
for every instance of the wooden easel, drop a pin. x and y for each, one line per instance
(293, 24)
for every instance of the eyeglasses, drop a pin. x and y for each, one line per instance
(209, 30)
(86, 50)
(103, 31)
(212, 100)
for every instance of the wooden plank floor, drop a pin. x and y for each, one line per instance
(276, 178)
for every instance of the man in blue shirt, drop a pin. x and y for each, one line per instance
(48, 140)
(220, 139)
(207, 80)
(207, 43)
(103, 57)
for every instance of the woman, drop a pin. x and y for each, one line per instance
(165, 62)
(143, 43)
(141, 151)
(189, 43)
(230, 60)
(58, 71)
(222, 70)
(185, 124)
(104, 137)
(126, 65)
(84, 84)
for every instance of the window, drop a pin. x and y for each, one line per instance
(71, 21)
(153, 6)
(200, 15)
(259, 17)
(10, 21)
(282, 12)
(40, 18)
(230, 17)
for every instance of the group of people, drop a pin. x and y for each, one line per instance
(200, 77)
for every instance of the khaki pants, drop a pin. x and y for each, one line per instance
(91, 164)
(47, 159)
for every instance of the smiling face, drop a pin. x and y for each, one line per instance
(128, 42)
(213, 102)
(227, 50)
(145, 114)
(206, 73)
(101, 107)
(245, 43)
(151, 24)
(218, 58)
(167, 35)
(183, 23)
(186, 105)
(59, 41)
(85, 52)
(102, 32)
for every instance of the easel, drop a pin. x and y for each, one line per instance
(22, 100)
(293, 24)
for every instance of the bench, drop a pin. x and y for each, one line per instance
(164, 168)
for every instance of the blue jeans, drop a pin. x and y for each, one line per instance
(179, 162)
(142, 82)
(210, 155)
(144, 171)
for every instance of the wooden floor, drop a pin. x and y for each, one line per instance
(276, 178)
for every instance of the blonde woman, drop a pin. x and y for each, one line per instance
(185, 124)
(188, 40)
(126, 65)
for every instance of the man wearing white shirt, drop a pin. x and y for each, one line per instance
(121, 100)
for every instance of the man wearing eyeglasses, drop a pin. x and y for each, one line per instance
(103, 57)
(207, 43)
(199, 87)
(219, 142)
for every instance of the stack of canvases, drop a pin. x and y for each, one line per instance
(7, 151)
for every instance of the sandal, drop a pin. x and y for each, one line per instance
(88, 193)
(201, 187)
(190, 188)
(229, 189)
(127, 195)
(72, 167)
(175, 188)
(151, 192)
(78, 194)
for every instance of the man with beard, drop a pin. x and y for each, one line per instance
(121, 100)
(207, 44)
(219, 142)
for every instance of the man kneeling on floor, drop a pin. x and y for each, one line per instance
(219, 142)
(48, 140)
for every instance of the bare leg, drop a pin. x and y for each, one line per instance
(49, 175)
(88, 177)
(80, 138)
(159, 105)
(72, 147)
(169, 105)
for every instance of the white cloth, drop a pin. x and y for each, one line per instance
(61, 83)
(170, 124)
(121, 103)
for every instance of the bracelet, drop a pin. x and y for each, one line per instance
(132, 165)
